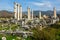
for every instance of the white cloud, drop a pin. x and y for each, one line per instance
(38, 4)
(46, 4)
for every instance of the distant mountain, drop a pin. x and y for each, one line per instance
(43, 13)
(36, 13)
(58, 12)
(5, 13)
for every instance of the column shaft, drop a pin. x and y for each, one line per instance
(40, 15)
(15, 10)
(28, 13)
(54, 12)
(32, 14)
(18, 12)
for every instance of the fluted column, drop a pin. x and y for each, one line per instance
(55, 12)
(18, 12)
(40, 15)
(28, 13)
(32, 14)
(15, 10)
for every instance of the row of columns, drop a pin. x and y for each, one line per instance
(17, 11)
(29, 14)
(40, 17)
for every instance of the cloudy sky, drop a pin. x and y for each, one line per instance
(43, 5)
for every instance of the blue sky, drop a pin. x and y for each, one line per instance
(33, 4)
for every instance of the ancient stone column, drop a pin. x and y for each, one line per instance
(40, 15)
(18, 12)
(15, 10)
(28, 13)
(55, 12)
(32, 14)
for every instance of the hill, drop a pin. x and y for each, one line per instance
(9, 14)
(5, 14)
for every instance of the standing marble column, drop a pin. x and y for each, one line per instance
(32, 14)
(29, 14)
(55, 12)
(18, 12)
(40, 15)
(15, 10)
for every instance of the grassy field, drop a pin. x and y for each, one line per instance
(10, 37)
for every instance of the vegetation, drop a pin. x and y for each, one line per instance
(5, 26)
(10, 37)
(52, 32)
